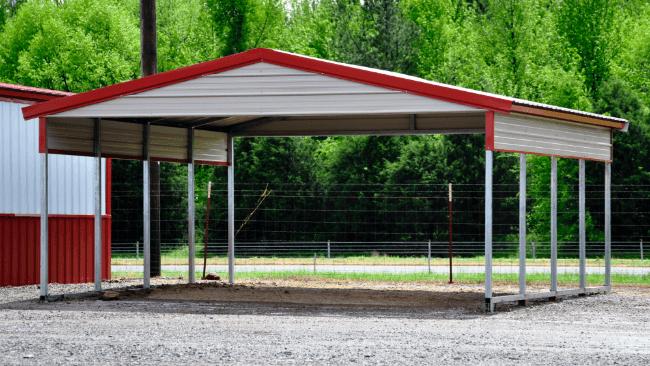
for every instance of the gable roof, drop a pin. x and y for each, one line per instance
(28, 94)
(359, 74)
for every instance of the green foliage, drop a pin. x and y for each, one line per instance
(246, 24)
(374, 33)
(75, 46)
(589, 27)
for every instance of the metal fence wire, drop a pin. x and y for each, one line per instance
(387, 228)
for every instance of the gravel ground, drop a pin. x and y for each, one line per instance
(172, 325)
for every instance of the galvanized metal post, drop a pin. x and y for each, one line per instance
(429, 257)
(608, 224)
(582, 224)
(488, 231)
(231, 209)
(553, 223)
(328, 249)
(641, 247)
(314, 262)
(451, 252)
(98, 206)
(44, 214)
(522, 224)
(137, 250)
(190, 202)
(534, 256)
(146, 206)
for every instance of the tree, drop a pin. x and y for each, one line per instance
(589, 27)
(375, 34)
(74, 46)
(631, 164)
(246, 24)
(633, 66)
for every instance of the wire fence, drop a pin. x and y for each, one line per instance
(381, 230)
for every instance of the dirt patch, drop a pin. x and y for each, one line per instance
(316, 291)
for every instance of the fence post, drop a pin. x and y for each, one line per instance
(534, 251)
(641, 247)
(314, 262)
(137, 250)
(429, 260)
(328, 249)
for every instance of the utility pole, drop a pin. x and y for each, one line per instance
(149, 66)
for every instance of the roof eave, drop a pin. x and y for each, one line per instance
(618, 124)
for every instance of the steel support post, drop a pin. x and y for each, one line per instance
(44, 215)
(146, 206)
(190, 203)
(553, 223)
(231, 209)
(582, 224)
(489, 306)
(522, 224)
(98, 206)
(608, 224)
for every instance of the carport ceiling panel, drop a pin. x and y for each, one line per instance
(543, 136)
(74, 136)
(389, 124)
(266, 90)
(210, 147)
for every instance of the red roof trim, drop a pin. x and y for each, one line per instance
(489, 131)
(253, 56)
(27, 94)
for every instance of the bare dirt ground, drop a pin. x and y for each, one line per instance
(320, 321)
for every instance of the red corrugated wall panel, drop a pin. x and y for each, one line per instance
(71, 249)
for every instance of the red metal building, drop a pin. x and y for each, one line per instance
(71, 222)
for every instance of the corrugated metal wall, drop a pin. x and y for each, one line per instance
(264, 89)
(538, 135)
(71, 178)
(71, 249)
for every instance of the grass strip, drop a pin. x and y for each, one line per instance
(420, 276)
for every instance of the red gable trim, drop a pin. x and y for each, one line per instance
(25, 96)
(253, 56)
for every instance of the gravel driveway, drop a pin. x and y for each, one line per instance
(148, 329)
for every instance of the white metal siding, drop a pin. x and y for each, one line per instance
(71, 178)
(210, 146)
(268, 90)
(516, 132)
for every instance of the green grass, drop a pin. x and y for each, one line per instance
(466, 277)
(180, 256)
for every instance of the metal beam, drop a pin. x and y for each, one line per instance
(488, 231)
(550, 294)
(242, 126)
(522, 223)
(190, 202)
(231, 208)
(146, 206)
(466, 131)
(553, 223)
(44, 214)
(582, 223)
(608, 224)
(98, 205)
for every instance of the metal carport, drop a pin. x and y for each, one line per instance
(191, 115)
